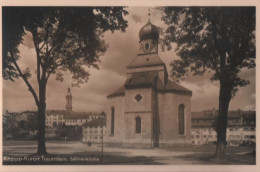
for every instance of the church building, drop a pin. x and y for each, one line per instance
(149, 110)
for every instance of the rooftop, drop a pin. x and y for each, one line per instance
(146, 60)
(95, 122)
(211, 114)
(73, 115)
(147, 79)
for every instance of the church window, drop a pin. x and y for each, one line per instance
(138, 97)
(137, 125)
(112, 120)
(147, 46)
(181, 119)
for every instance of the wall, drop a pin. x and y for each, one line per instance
(93, 135)
(132, 105)
(130, 135)
(168, 110)
(143, 109)
(119, 104)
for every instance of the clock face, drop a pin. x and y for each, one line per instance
(147, 46)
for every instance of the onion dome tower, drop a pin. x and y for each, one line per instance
(148, 36)
(147, 59)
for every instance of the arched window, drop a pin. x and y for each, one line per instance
(112, 120)
(138, 125)
(181, 119)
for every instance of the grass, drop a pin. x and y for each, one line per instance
(209, 159)
(209, 149)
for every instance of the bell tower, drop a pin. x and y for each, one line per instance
(149, 36)
(69, 101)
(147, 59)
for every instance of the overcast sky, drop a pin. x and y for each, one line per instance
(123, 47)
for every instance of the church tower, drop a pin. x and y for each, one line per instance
(149, 110)
(69, 101)
(147, 59)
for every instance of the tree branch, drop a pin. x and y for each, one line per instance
(214, 64)
(34, 33)
(52, 70)
(25, 80)
(42, 46)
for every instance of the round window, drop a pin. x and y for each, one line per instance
(138, 97)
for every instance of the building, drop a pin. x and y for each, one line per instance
(94, 130)
(149, 110)
(249, 126)
(79, 118)
(240, 130)
(68, 117)
(56, 118)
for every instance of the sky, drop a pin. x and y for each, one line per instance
(123, 47)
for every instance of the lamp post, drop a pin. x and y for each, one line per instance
(102, 143)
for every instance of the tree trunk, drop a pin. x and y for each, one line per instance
(224, 99)
(41, 120)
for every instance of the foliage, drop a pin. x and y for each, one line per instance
(70, 132)
(212, 39)
(64, 38)
(19, 129)
(31, 122)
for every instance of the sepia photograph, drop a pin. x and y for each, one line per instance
(129, 85)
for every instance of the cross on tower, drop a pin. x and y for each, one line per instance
(149, 14)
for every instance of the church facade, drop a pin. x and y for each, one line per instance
(149, 110)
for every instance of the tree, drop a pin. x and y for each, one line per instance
(21, 124)
(31, 123)
(70, 132)
(216, 39)
(54, 124)
(65, 39)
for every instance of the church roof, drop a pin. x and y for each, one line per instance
(146, 60)
(174, 87)
(149, 31)
(118, 92)
(148, 79)
(142, 79)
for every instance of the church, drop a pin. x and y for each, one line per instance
(149, 110)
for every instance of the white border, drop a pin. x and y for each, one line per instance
(142, 3)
